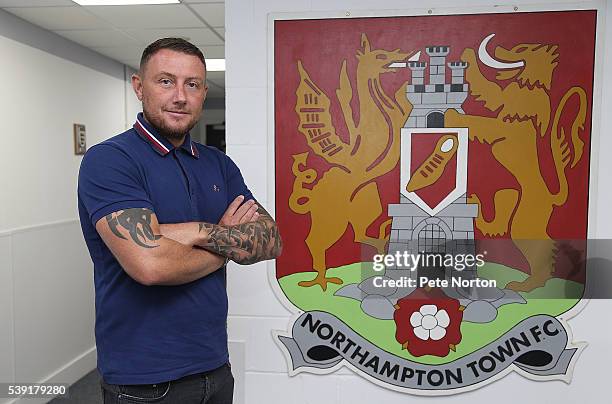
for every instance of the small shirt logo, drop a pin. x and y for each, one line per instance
(216, 188)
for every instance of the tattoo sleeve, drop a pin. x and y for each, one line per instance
(245, 243)
(137, 222)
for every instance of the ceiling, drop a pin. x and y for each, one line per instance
(122, 32)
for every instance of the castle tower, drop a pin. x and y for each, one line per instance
(451, 229)
(430, 101)
(416, 88)
(437, 64)
(457, 72)
(418, 72)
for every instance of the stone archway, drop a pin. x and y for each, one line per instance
(432, 237)
(435, 119)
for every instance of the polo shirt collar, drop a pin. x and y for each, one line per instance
(159, 143)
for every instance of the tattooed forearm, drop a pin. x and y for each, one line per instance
(245, 243)
(138, 224)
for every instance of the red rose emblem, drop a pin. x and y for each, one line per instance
(428, 323)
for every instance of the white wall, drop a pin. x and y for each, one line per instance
(255, 311)
(46, 275)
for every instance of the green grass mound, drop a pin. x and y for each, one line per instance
(382, 332)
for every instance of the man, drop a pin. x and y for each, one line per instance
(161, 216)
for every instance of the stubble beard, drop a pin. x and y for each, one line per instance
(169, 133)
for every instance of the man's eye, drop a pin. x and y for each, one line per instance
(193, 84)
(165, 82)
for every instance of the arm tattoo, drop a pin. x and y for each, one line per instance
(245, 243)
(137, 222)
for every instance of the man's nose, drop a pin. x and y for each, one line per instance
(179, 95)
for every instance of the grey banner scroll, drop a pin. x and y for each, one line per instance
(536, 345)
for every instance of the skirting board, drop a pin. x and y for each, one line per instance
(69, 373)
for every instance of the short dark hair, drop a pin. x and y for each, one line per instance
(175, 44)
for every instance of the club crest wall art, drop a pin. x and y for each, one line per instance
(432, 186)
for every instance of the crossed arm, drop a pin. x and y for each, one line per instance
(172, 254)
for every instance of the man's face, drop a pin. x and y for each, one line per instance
(172, 89)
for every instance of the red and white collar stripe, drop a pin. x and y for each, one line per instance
(194, 151)
(154, 141)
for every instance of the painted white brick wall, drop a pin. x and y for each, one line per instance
(255, 311)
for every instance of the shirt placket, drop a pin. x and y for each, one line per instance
(187, 180)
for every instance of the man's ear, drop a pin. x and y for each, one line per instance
(205, 90)
(137, 85)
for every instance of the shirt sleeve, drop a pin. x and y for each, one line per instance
(235, 182)
(109, 181)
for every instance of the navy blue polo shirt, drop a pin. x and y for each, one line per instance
(152, 334)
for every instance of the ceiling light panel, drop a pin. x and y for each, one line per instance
(215, 65)
(122, 2)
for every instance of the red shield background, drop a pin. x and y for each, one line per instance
(322, 45)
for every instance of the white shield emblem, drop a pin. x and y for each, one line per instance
(451, 148)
